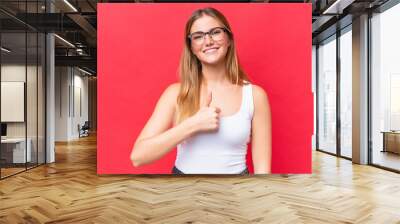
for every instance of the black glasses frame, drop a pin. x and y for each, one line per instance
(226, 30)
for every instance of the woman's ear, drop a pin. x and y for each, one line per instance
(229, 42)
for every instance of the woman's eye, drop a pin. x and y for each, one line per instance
(216, 31)
(197, 37)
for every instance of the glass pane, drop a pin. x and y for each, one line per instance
(327, 96)
(386, 88)
(31, 100)
(31, 84)
(14, 153)
(41, 98)
(346, 93)
(22, 74)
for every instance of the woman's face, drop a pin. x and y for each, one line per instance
(213, 47)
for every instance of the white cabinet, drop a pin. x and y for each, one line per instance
(18, 149)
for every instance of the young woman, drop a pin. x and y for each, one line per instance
(214, 110)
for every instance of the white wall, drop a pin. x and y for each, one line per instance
(314, 90)
(70, 84)
(61, 103)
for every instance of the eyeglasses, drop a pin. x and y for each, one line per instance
(216, 33)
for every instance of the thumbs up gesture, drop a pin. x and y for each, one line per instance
(207, 118)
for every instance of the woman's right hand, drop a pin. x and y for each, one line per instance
(207, 118)
(157, 139)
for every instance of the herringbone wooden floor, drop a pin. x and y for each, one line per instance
(70, 191)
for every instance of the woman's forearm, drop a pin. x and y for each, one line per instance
(263, 168)
(150, 149)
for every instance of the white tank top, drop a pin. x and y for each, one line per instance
(221, 152)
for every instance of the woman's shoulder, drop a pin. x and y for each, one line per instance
(171, 92)
(259, 94)
(256, 89)
(173, 88)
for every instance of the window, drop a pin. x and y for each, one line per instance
(385, 88)
(327, 95)
(346, 92)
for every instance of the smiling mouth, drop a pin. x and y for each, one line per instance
(211, 50)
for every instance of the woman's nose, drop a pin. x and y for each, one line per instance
(208, 39)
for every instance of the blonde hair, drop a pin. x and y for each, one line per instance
(188, 101)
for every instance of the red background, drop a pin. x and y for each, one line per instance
(139, 46)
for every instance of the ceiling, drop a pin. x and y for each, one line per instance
(76, 22)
